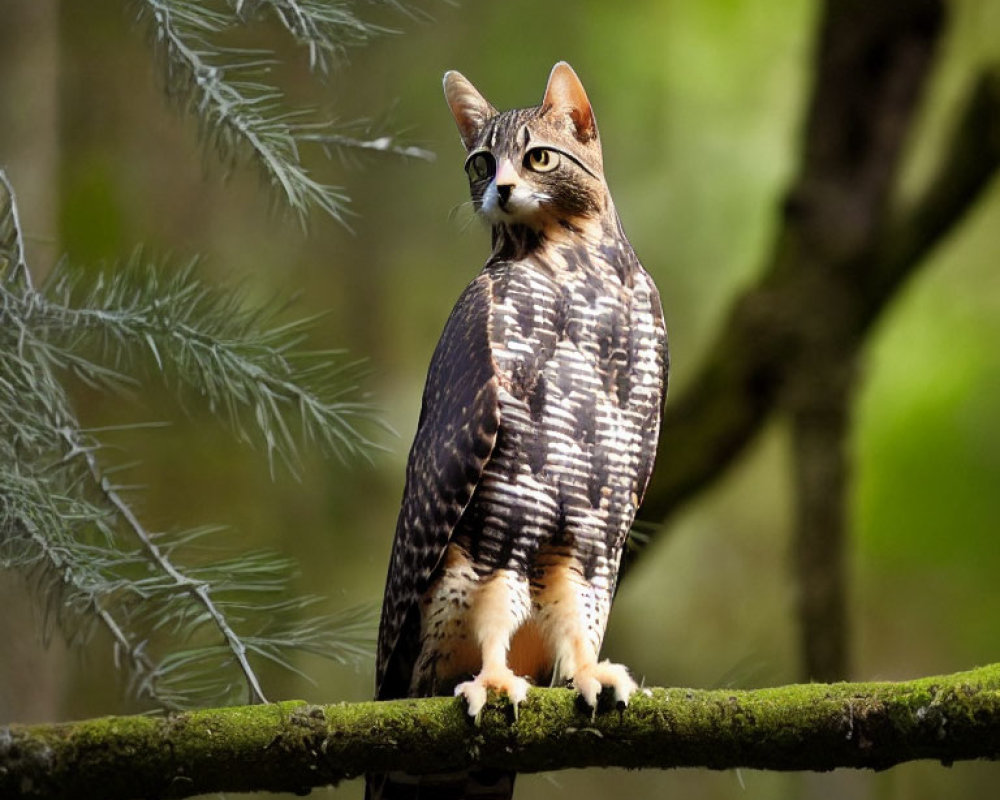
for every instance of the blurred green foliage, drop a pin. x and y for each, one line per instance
(699, 104)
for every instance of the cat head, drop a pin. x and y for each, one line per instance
(533, 166)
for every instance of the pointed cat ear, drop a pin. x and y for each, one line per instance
(469, 108)
(565, 94)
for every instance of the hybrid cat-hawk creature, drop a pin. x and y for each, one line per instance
(536, 438)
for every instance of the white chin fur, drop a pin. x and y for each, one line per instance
(522, 206)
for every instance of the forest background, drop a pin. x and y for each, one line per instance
(700, 106)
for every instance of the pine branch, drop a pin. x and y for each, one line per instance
(40, 535)
(367, 141)
(325, 27)
(232, 92)
(205, 341)
(235, 113)
(185, 624)
(13, 267)
(199, 590)
(293, 746)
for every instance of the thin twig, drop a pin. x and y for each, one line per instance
(295, 183)
(20, 270)
(198, 589)
(140, 660)
(381, 144)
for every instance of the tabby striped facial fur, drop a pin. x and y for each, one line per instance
(532, 167)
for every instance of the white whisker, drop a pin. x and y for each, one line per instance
(464, 214)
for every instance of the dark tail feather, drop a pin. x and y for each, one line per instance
(479, 784)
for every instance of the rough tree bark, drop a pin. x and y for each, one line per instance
(293, 746)
(791, 342)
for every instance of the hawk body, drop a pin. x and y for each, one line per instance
(536, 437)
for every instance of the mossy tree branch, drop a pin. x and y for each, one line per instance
(294, 746)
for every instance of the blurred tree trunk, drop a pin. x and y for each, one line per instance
(31, 679)
(873, 62)
(792, 342)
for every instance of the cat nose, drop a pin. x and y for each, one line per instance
(505, 179)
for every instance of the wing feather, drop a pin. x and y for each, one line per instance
(455, 436)
(650, 442)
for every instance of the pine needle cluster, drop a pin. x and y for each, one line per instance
(241, 113)
(189, 623)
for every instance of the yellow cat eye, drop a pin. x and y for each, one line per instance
(480, 166)
(541, 159)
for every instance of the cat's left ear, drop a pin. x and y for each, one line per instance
(564, 94)
(469, 108)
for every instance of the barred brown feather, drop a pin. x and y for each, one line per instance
(536, 439)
